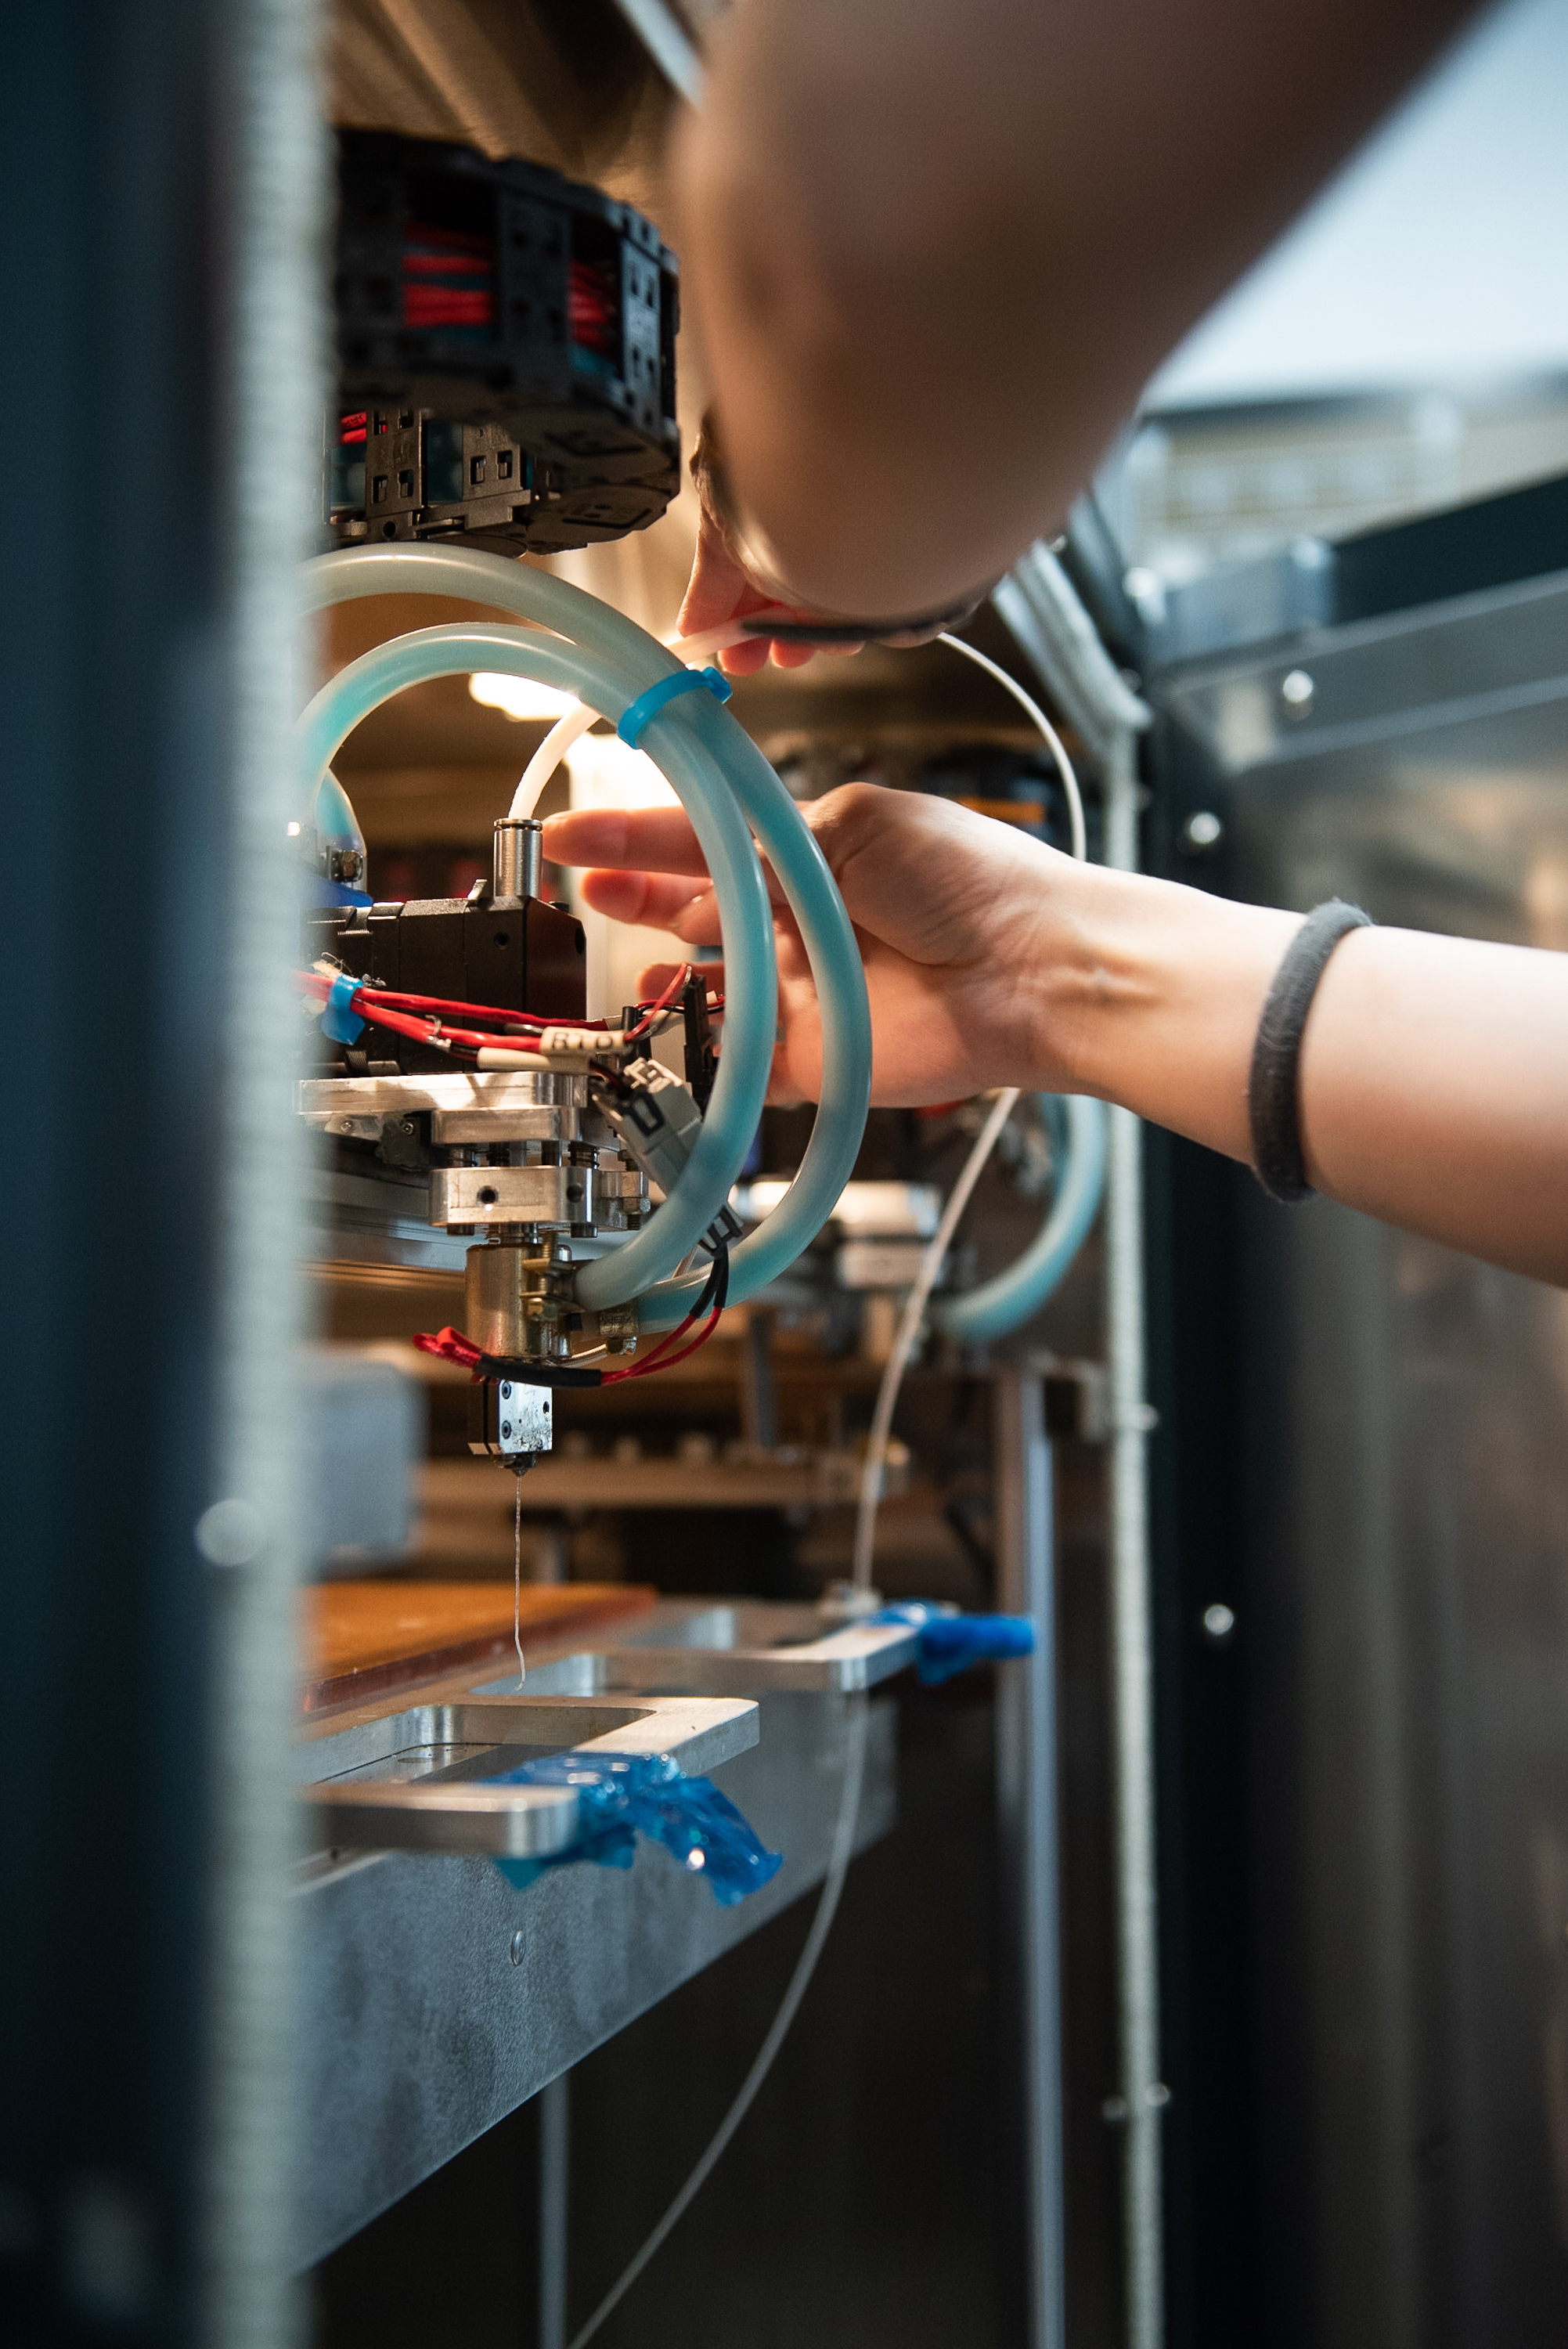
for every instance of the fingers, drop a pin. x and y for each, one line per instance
(652, 982)
(720, 590)
(655, 901)
(651, 842)
(656, 839)
(744, 658)
(718, 586)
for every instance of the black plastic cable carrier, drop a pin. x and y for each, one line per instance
(506, 354)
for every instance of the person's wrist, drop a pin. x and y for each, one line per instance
(1156, 994)
(1071, 971)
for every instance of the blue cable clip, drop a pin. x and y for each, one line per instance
(338, 1019)
(648, 705)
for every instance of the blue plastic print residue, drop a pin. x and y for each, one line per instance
(950, 1643)
(620, 1796)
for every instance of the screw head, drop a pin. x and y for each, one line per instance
(1296, 691)
(506, 1431)
(506, 1390)
(1219, 1622)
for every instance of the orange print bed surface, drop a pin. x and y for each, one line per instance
(361, 1638)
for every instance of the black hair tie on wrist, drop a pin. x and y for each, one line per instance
(1273, 1108)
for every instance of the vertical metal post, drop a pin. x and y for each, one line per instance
(1132, 1688)
(1027, 1796)
(161, 196)
(1040, 606)
(555, 2173)
(274, 397)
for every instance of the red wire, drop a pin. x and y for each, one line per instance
(650, 1360)
(371, 1001)
(450, 1345)
(641, 1370)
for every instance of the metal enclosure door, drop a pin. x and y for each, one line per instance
(1391, 1423)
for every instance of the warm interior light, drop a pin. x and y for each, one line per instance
(520, 697)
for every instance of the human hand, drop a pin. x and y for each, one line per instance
(961, 922)
(721, 588)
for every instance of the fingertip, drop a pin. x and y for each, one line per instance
(620, 894)
(585, 835)
(744, 658)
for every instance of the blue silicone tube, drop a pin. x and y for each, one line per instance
(1008, 1302)
(829, 937)
(638, 660)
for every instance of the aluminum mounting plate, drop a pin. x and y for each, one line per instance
(413, 1781)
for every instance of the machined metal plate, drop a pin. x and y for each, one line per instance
(500, 1092)
(427, 1793)
(523, 1417)
(542, 1121)
(751, 1647)
(879, 1264)
(510, 1195)
(859, 1656)
(786, 1477)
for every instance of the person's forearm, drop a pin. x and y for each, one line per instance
(1434, 1071)
(937, 249)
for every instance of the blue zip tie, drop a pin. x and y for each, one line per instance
(648, 705)
(338, 1019)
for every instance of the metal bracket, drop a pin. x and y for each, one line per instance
(418, 1792)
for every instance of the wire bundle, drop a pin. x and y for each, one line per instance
(428, 1020)
(593, 311)
(447, 277)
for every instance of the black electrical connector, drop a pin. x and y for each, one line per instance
(506, 362)
(701, 1060)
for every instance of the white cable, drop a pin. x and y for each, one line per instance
(1052, 739)
(576, 721)
(805, 1966)
(930, 1265)
(870, 1492)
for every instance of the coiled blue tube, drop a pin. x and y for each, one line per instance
(750, 978)
(1008, 1302)
(636, 660)
(845, 1095)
